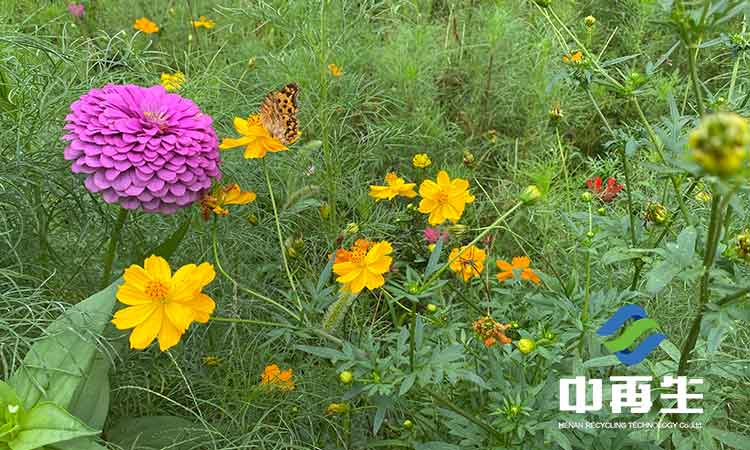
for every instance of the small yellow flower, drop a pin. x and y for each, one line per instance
(255, 137)
(589, 21)
(204, 23)
(145, 25)
(276, 378)
(335, 70)
(445, 199)
(421, 161)
(703, 197)
(221, 196)
(337, 408)
(520, 264)
(395, 187)
(470, 263)
(573, 58)
(162, 305)
(211, 361)
(363, 266)
(172, 82)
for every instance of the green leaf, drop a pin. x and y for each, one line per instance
(407, 383)
(660, 276)
(152, 432)
(432, 263)
(733, 440)
(78, 444)
(92, 402)
(435, 445)
(7, 395)
(601, 361)
(325, 275)
(46, 424)
(323, 352)
(57, 365)
(169, 246)
(671, 350)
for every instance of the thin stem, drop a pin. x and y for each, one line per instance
(252, 322)
(587, 291)
(412, 338)
(712, 241)
(217, 261)
(280, 236)
(658, 146)
(109, 257)
(564, 164)
(479, 237)
(694, 81)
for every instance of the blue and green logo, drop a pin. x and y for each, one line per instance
(630, 334)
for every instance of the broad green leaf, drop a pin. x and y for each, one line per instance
(86, 443)
(601, 361)
(57, 365)
(92, 402)
(169, 246)
(733, 440)
(670, 349)
(7, 396)
(407, 383)
(325, 275)
(660, 276)
(432, 263)
(435, 445)
(323, 352)
(152, 432)
(46, 424)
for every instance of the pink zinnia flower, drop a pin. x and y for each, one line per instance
(606, 193)
(142, 147)
(76, 10)
(431, 235)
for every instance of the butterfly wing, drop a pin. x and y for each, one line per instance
(278, 113)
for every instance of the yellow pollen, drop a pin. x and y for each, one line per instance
(157, 291)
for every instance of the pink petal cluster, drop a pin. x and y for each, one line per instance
(142, 147)
(76, 10)
(432, 235)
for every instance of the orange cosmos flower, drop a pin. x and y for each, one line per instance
(395, 186)
(161, 305)
(471, 262)
(203, 22)
(491, 331)
(255, 137)
(573, 58)
(520, 264)
(335, 70)
(231, 194)
(363, 266)
(274, 377)
(145, 25)
(445, 199)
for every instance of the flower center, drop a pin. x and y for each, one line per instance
(157, 118)
(442, 197)
(157, 291)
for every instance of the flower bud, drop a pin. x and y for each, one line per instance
(431, 308)
(586, 196)
(468, 158)
(457, 230)
(743, 245)
(719, 144)
(656, 213)
(589, 21)
(352, 228)
(555, 113)
(252, 219)
(346, 377)
(703, 197)
(531, 194)
(601, 211)
(408, 424)
(526, 345)
(325, 211)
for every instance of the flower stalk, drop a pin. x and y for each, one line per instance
(109, 257)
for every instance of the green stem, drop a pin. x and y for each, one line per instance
(252, 322)
(282, 248)
(109, 257)
(479, 237)
(412, 338)
(217, 261)
(564, 164)
(694, 81)
(658, 146)
(587, 291)
(458, 410)
(712, 241)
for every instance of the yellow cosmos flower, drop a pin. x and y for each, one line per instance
(470, 263)
(395, 186)
(161, 305)
(274, 377)
(337, 408)
(363, 266)
(204, 23)
(255, 137)
(421, 161)
(573, 58)
(520, 264)
(172, 82)
(445, 199)
(221, 196)
(335, 70)
(144, 25)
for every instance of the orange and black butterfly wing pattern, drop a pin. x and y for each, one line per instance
(279, 114)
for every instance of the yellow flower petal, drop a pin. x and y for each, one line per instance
(169, 335)
(180, 315)
(132, 316)
(158, 268)
(145, 333)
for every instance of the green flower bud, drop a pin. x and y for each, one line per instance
(589, 21)
(526, 345)
(719, 144)
(531, 194)
(346, 377)
(408, 424)
(431, 308)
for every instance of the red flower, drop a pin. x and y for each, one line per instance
(606, 194)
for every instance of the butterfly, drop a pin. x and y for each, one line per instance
(278, 114)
